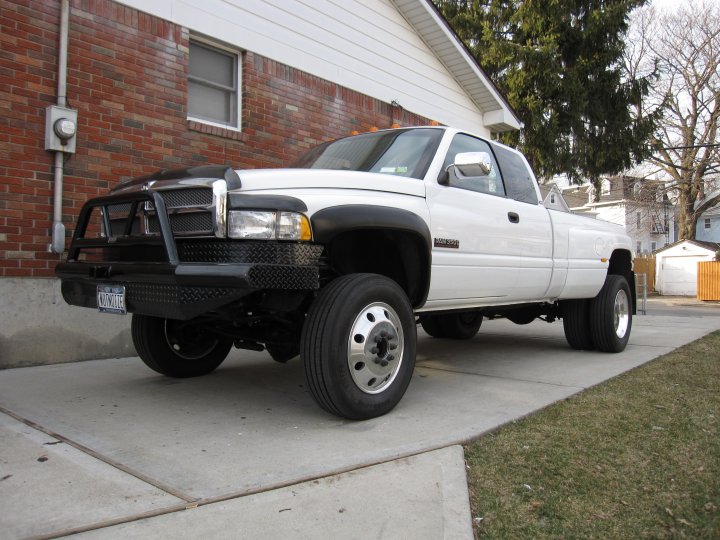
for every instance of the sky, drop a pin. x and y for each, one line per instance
(664, 4)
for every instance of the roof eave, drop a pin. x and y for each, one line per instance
(498, 115)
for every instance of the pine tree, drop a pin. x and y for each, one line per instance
(559, 64)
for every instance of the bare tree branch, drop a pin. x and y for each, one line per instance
(685, 45)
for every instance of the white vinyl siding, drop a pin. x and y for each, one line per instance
(366, 46)
(708, 228)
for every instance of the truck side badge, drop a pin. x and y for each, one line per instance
(447, 243)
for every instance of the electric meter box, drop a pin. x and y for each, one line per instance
(60, 129)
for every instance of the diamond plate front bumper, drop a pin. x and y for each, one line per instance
(174, 278)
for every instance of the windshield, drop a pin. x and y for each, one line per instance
(400, 152)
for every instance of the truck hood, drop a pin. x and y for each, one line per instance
(292, 179)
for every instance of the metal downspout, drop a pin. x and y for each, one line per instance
(58, 229)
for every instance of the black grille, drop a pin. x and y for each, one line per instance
(249, 252)
(187, 198)
(119, 210)
(185, 223)
(190, 213)
(194, 222)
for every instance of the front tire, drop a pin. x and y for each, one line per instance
(358, 346)
(178, 349)
(611, 315)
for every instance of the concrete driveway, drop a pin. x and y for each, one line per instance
(109, 449)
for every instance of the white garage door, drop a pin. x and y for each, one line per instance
(679, 275)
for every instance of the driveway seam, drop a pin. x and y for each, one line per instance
(206, 501)
(170, 490)
(112, 522)
(502, 377)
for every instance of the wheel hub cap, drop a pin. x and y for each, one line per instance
(621, 313)
(375, 348)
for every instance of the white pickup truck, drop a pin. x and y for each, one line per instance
(339, 258)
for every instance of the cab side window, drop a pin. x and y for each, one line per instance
(519, 182)
(490, 183)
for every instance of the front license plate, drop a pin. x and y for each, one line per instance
(111, 299)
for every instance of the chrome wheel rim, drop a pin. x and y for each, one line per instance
(375, 348)
(621, 313)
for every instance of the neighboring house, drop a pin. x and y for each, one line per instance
(553, 198)
(576, 197)
(708, 226)
(171, 83)
(676, 266)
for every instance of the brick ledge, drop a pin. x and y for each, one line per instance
(194, 125)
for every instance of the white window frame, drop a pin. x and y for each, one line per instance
(638, 247)
(707, 223)
(653, 246)
(238, 94)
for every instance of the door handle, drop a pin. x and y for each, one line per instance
(513, 217)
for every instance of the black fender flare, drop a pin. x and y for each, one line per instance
(329, 223)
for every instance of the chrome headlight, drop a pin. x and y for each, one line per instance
(268, 225)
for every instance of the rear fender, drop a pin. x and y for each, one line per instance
(621, 264)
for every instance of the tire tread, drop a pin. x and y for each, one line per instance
(601, 308)
(314, 345)
(576, 324)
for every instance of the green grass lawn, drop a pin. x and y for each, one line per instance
(636, 457)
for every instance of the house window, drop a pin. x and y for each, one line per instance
(653, 246)
(638, 219)
(213, 83)
(638, 248)
(552, 198)
(707, 223)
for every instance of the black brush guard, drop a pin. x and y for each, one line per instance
(161, 283)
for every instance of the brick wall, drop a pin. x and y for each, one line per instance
(127, 77)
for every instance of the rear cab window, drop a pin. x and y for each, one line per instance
(519, 181)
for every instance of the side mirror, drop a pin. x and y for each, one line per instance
(473, 164)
